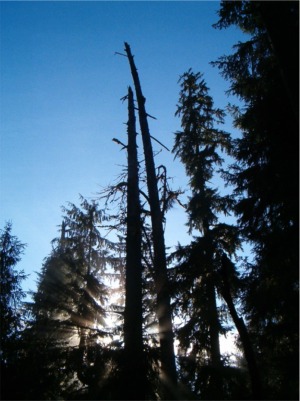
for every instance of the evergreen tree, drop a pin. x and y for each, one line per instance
(11, 294)
(69, 305)
(201, 263)
(264, 73)
(11, 310)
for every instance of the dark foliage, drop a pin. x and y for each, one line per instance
(11, 310)
(263, 72)
(197, 273)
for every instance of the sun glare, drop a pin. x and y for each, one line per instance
(228, 347)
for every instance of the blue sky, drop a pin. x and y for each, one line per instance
(61, 85)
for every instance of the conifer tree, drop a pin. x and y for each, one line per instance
(11, 295)
(263, 72)
(69, 304)
(196, 145)
(11, 310)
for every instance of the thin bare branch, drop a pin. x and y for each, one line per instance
(120, 143)
(156, 140)
(120, 54)
(148, 115)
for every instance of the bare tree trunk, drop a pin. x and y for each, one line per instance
(135, 374)
(243, 333)
(164, 313)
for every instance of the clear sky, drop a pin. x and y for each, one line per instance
(61, 85)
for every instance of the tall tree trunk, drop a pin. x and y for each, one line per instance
(216, 383)
(164, 313)
(243, 333)
(135, 383)
(214, 326)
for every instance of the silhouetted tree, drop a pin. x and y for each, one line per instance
(133, 215)
(135, 385)
(227, 290)
(11, 294)
(11, 309)
(168, 367)
(69, 305)
(201, 262)
(263, 73)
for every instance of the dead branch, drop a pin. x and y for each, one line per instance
(156, 140)
(120, 54)
(148, 115)
(124, 98)
(120, 143)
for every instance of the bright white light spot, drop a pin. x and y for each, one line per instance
(228, 347)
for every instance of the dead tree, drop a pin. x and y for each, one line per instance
(164, 313)
(135, 373)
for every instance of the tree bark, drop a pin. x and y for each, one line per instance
(216, 387)
(135, 375)
(243, 333)
(214, 327)
(164, 313)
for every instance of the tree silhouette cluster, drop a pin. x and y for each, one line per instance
(117, 317)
